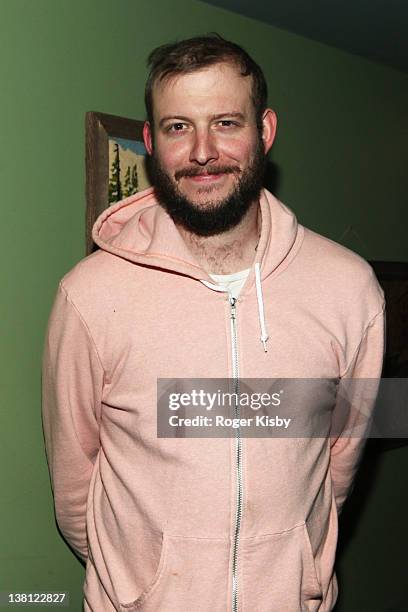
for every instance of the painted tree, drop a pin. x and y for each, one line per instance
(115, 187)
(131, 182)
(134, 180)
(127, 188)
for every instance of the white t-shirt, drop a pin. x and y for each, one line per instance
(233, 283)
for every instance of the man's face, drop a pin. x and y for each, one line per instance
(208, 155)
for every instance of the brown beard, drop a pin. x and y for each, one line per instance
(215, 217)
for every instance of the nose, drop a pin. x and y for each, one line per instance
(204, 149)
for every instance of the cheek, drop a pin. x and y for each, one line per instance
(236, 150)
(171, 155)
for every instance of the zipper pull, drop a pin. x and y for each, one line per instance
(233, 302)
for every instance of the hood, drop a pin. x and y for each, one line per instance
(139, 229)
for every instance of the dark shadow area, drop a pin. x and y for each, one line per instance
(273, 175)
(351, 517)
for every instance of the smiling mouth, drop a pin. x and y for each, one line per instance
(203, 178)
(208, 174)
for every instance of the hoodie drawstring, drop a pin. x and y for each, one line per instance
(261, 312)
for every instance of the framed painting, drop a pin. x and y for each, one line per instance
(115, 161)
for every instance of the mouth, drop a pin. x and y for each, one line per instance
(211, 174)
(206, 178)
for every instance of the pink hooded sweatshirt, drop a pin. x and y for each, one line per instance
(201, 525)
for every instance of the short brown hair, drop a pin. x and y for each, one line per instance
(199, 52)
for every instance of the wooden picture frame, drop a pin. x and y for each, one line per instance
(102, 131)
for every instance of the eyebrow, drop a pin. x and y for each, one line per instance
(234, 114)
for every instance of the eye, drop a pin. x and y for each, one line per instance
(176, 127)
(228, 123)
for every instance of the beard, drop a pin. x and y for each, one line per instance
(212, 216)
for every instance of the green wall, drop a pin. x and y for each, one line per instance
(340, 158)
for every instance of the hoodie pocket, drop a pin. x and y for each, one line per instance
(278, 573)
(138, 604)
(192, 574)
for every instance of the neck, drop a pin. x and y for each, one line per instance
(230, 251)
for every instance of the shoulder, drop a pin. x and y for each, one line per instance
(342, 278)
(87, 271)
(90, 283)
(335, 261)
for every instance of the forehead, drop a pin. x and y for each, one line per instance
(216, 89)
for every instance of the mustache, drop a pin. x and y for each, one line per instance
(186, 172)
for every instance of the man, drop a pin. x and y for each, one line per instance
(205, 276)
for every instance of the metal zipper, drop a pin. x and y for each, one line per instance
(238, 456)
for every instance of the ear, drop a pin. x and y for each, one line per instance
(148, 137)
(269, 122)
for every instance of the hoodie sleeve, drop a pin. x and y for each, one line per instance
(72, 382)
(358, 389)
